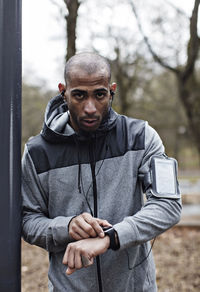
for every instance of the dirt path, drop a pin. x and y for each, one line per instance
(177, 256)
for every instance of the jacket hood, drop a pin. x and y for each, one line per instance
(56, 127)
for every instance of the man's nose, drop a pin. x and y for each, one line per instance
(90, 107)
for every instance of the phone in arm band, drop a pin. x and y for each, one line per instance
(164, 181)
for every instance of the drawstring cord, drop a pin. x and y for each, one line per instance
(79, 165)
(79, 177)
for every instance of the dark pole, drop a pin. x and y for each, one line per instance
(10, 145)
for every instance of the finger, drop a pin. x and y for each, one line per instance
(65, 257)
(103, 222)
(77, 259)
(75, 230)
(70, 271)
(71, 259)
(95, 225)
(75, 236)
(81, 226)
(78, 233)
(86, 262)
(86, 224)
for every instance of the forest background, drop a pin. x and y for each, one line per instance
(153, 48)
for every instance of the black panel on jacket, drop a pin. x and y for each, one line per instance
(128, 134)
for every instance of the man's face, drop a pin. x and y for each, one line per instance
(88, 97)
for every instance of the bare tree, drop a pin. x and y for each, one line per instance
(126, 82)
(187, 81)
(71, 23)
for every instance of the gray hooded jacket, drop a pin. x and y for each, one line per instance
(66, 174)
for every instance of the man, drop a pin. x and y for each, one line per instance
(83, 174)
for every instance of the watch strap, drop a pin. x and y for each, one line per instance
(112, 235)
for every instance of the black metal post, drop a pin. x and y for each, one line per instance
(10, 145)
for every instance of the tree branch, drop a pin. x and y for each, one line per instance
(193, 44)
(157, 58)
(178, 10)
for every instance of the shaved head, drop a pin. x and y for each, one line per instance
(88, 63)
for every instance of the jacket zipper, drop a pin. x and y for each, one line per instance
(92, 165)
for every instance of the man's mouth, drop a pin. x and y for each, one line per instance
(90, 122)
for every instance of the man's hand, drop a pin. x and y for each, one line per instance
(85, 226)
(81, 253)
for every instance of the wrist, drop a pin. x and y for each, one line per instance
(106, 240)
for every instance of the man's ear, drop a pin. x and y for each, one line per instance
(113, 87)
(62, 88)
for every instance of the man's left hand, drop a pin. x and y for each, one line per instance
(81, 253)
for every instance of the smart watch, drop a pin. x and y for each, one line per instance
(114, 242)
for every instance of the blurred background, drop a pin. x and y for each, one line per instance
(153, 48)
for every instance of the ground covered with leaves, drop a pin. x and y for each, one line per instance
(177, 256)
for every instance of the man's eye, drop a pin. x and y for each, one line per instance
(78, 96)
(100, 95)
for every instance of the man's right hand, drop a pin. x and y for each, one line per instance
(85, 226)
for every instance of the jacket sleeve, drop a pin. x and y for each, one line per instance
(157, 214)
(37, 228)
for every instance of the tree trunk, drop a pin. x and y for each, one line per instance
(71, 21)
(189, 94)
(124, 82)
(122, 92)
